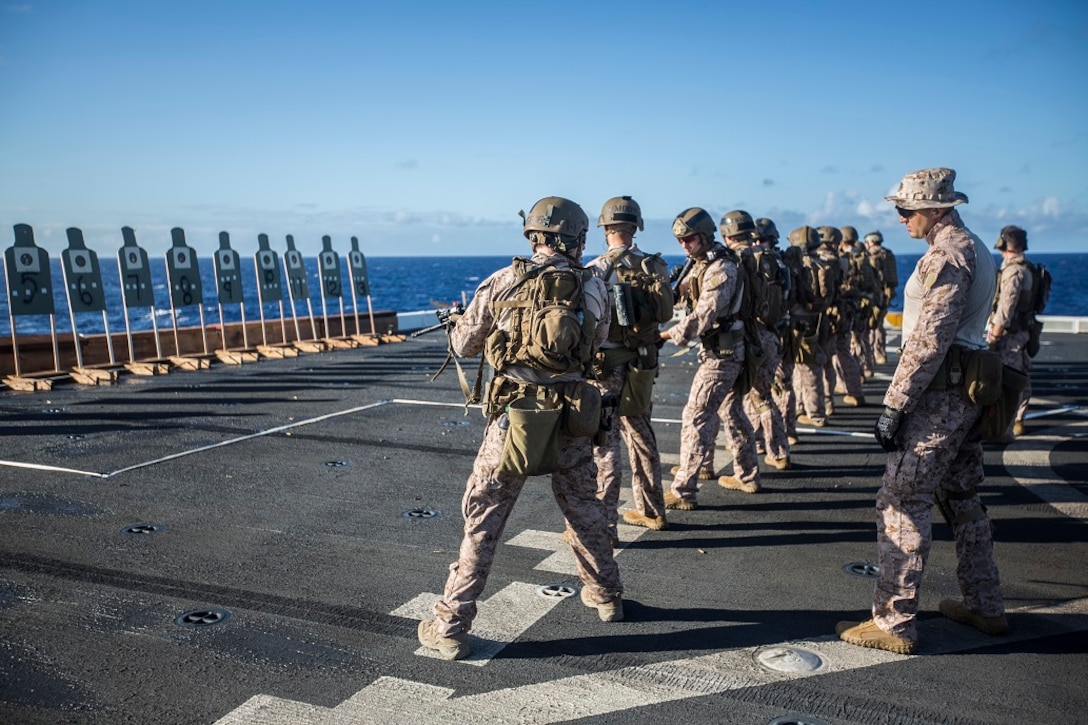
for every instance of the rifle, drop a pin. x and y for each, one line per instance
(444, 316)
(679, 273)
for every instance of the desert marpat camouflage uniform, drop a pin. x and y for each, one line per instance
(712, 385)
(490, 496)
(940, 438)
(1014, 280)
(637, 433)
(760, 405)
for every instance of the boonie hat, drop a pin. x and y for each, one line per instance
(927, 189)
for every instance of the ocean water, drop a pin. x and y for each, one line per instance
(402, 284)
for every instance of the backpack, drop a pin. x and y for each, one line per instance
(641, 297)
(549, 329)
(800, 290)
(768, 285)
(820, 279)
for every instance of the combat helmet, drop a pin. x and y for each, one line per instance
(1012, 239)
(557, 222)
(874, 238)
(621, 210)
(830, 236)
(805, 237)
(694, 220)
(849, 234)
(738, 223)
(766, 230)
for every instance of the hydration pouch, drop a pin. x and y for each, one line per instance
(638, 387)
(982, 374)
(806, 346)
(582, 408)
(996, 417)
(532, 438)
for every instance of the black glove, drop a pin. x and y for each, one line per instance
(887, 426)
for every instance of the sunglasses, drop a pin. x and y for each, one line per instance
(905, 213)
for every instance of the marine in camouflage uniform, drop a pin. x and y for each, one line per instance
(785, 400)
(621, 217)
(490, 494)
(810, 319)
(712, 303)
(883, 260)
(842, 373)
(931, 431)
(1007, 331)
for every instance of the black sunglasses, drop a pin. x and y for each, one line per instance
(905, 213)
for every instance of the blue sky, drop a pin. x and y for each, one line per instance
(422, 128)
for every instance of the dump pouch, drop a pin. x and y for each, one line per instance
(638, 387)
(1035, 334)
(982, 376)
(996, 418)
(532, 437)
(582, 408)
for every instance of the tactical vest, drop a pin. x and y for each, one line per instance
(550, 329)
(695, 282)
(641, 297)
(820, 280)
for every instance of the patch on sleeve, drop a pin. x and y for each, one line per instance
(715, 280)
(929, 281)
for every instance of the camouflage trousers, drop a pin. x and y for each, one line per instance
(712, 395)
(941, 449)
(759, 403)
(878, 338)
(784, 397)
(489, 498)
(808, 384)
(1013, 350)
(637, 433)
(846, 368)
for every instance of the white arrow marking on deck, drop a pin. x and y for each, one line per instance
(394, 700)
(501, 619)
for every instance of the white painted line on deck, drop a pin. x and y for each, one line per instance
(394, 700)
(57, 469)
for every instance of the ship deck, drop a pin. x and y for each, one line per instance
(255, 543)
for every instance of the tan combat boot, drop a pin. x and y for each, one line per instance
(634, 518)
(867, 634)
(449, 647)
(607, 611)
(851, 402)
(815, 423)
(957, 611)
(735, 484)
(779, 464)
(672, 501)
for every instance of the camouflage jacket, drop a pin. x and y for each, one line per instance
(944, 304)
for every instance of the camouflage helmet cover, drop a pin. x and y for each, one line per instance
(621, 210)
(556, 215)
(694, 220)
(874, 238)
(737, 223)
(805, 237)
(927, 189)
(849, 234)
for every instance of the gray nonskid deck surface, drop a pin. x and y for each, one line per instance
(307, 511)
